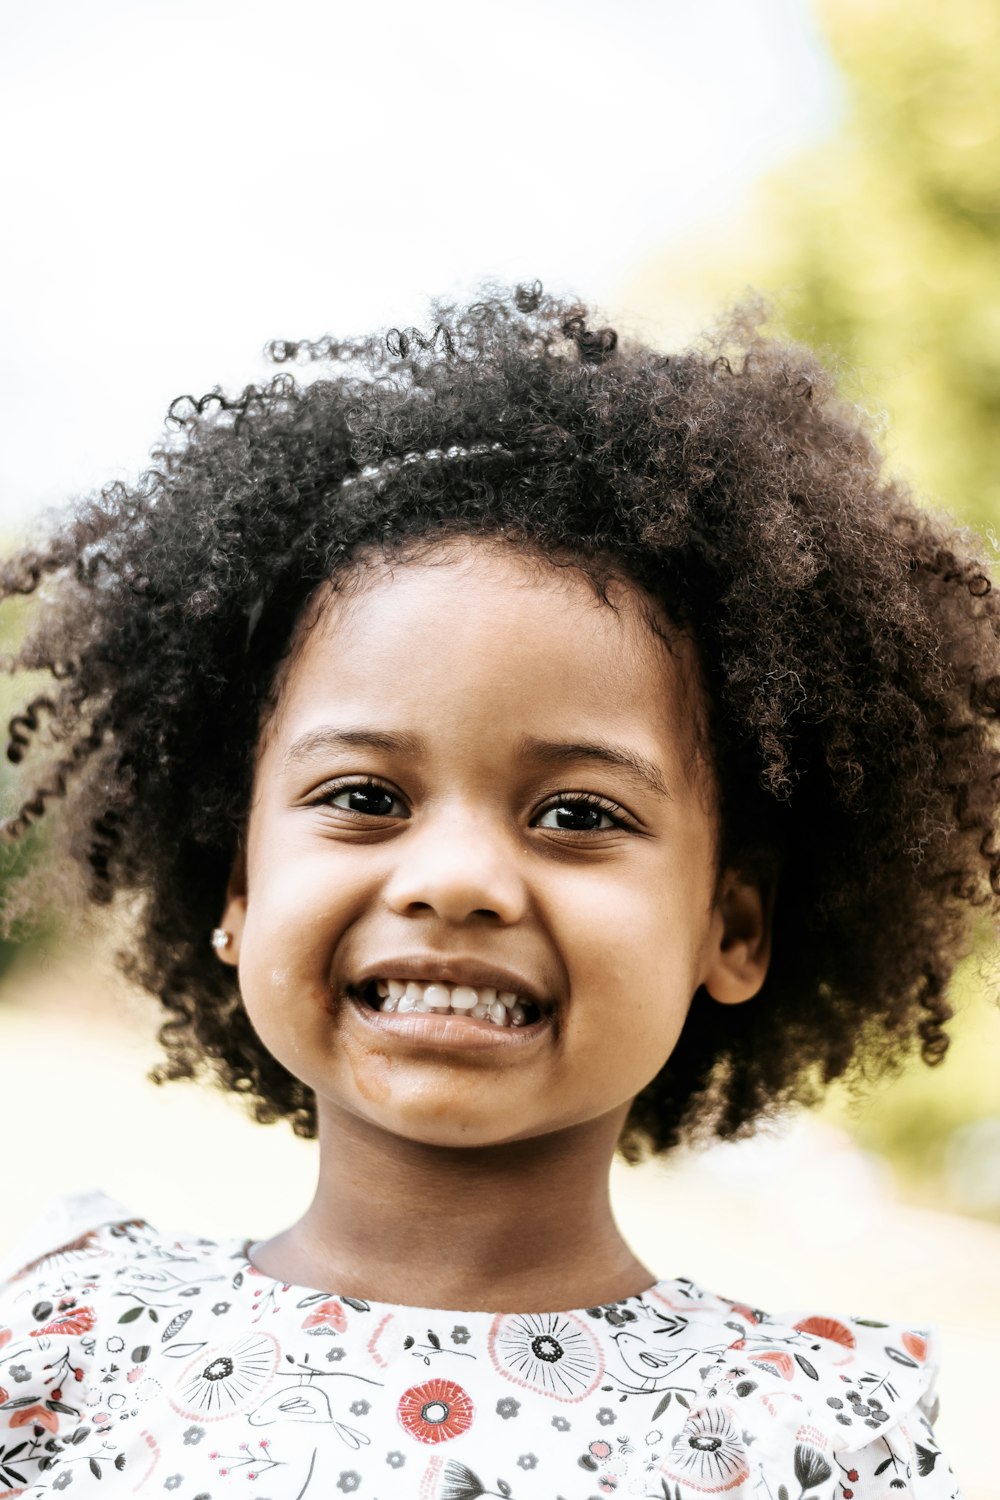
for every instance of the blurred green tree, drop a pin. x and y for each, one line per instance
(14, 857)
(881, 248)
(888, 238)
(886, 251)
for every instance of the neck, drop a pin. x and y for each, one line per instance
(526, 1226)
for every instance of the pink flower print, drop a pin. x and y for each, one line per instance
(328, 1317)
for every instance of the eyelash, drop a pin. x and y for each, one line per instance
(575, 800)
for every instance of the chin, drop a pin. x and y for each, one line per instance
(453, 1130)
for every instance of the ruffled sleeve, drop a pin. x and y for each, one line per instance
(851, 1401)
(48, 1311)
(902, 1458)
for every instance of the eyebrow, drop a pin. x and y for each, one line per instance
(546, 752)
(326, 737)
(558, 752)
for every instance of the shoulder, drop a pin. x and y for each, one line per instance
(91, 1241)
(62, 1266)
(97, 1289)
(864, 1371)
(852, 1399)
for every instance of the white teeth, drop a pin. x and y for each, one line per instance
(437, 997)
(463, 997)
(503, 1008)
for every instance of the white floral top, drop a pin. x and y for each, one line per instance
(132, 1362)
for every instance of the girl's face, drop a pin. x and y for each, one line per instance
(479, 774)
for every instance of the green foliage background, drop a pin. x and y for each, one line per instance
(888, 239)
(14, 857)
(881, 248)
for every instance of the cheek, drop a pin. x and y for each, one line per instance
(300, 898)
(285, 961)
(634, 963)
(647, 932)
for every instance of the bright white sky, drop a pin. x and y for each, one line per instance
(184, 179)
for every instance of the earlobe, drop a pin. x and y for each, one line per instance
(741, 940)
(233, 916)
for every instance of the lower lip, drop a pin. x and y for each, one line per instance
(465, 1033)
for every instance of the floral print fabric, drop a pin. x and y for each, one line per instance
(135, 1363)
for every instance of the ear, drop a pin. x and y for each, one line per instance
(740, 944)
(234, 912)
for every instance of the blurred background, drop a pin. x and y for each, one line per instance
(184, 181)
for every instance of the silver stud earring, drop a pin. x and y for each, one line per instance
(221, 938)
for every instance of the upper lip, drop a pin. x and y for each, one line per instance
(431, 969)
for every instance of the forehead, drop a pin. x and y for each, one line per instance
(476, 633)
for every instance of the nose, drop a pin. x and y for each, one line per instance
(456, 866)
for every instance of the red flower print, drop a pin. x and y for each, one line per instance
(3, 1394)
(600, 1450)
(79, 1320)
(327, 1316)
(828, 1328)
(435, 1411)
(39, 1414)
(774, 1360)
(915, 1345)
(4, 1336)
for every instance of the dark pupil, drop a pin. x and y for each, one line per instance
(218, 1369)
(706, 1444)
(575, 816)
(371, 799)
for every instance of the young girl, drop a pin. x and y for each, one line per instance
(513, 747)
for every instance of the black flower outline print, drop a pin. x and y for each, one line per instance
(552, 1354)
(225, 1380)
(708, 1454)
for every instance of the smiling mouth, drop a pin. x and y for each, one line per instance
(502, 1008)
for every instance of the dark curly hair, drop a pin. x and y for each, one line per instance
(847, 637)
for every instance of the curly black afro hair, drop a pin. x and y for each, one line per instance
(848, 640)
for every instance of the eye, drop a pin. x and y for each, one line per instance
(367, 798)
(570, 813)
